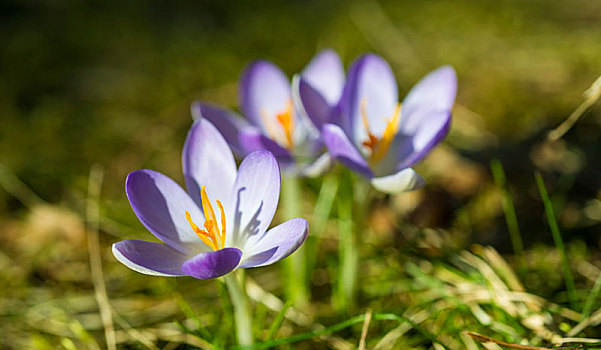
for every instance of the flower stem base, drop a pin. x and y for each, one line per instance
(242, 315)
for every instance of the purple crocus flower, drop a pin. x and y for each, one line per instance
(282, 119)
(381, 138)
(206, 239)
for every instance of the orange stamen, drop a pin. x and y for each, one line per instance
(222, 222)
(391, 128)
(378, 147)
(203, 235)
(372, 141)
(285, 119)
(211, 236)
(286, 124)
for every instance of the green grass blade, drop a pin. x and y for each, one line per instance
(338, 327)
(590, 301)
(557, 239)
(275, 326)
(200, 329)
(509, 210)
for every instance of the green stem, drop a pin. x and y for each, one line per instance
(352, 210)
(557, 239)
(319, 220)
(242, 315)
(348, 261)
(295, 266)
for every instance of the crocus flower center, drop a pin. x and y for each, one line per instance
(378, 146)
(282, 132)
(211, 235)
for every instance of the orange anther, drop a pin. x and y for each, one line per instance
(378, 146)
(211, 236)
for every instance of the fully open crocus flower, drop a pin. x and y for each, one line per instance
(276, 118)
(381, 138)
(220, 224)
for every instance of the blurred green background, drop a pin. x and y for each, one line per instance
(85, 82)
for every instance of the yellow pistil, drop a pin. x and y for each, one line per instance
(378, 146)
(286, 124)
(211, 236)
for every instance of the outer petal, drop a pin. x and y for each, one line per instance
(228, 122)
(208, 161)
(435, 92)
(276, 244)
(212, 264)
(311, 103)
(256, 193)
(325, 73)
(264, 92)
(149, 258)
(341, 148)
(426, 117)
(161, 206)
(403, 181)
(251, 139)
(435, 127)
(371, 82)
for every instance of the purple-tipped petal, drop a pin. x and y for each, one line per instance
(434, 128)
(372, 83)
(264, 93)
(341, 149)
(212, 264)
(161, 205)
(408, 149)
(251, 139)
(228, 122)
(311, 103)
(325, 73)
(208, 161)
(435, 92)
(425, 119)
(275, 244)
(149, 258)
(255, 193)
(403, 181)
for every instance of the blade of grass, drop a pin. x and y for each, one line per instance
(592, 95)
(362, 342)
(338, 327)
(588, 305)
(187, 310)
(16, 188)
(275, 326)
(139, 336)
(93, 219)
(557, 239)
(509, 210)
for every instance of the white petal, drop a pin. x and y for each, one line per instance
(403, 181)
